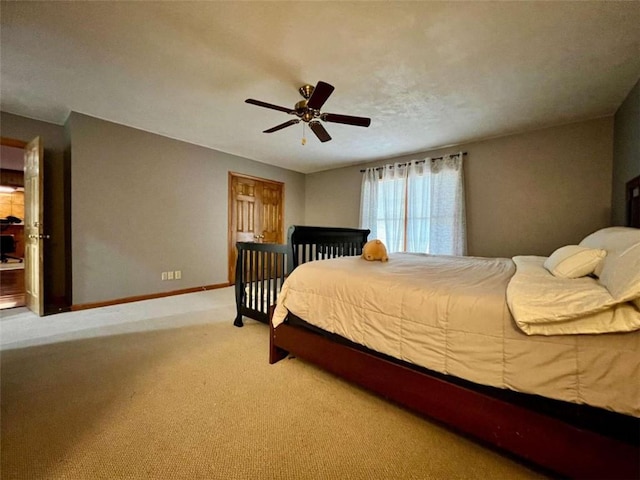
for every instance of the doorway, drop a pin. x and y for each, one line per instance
(12, 216)
(256, 213)
(32, 227)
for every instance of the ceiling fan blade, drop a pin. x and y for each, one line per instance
(319, 130)
(320, 95)
(268, 105)
(346, 119)
(282, 125)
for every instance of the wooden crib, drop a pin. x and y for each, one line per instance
(261, 268)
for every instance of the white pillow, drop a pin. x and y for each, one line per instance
(574, 261)
(614, 240)
(621, 274)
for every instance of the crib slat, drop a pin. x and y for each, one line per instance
(261, 269)
(252, 275)
(263, 280)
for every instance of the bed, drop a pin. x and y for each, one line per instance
(261, 268)
(528, 405)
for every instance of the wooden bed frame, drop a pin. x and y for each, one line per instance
(529, 433)
(262, 267)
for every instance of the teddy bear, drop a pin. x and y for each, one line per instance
(375, 250)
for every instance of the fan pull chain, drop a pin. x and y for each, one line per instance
(304, 140)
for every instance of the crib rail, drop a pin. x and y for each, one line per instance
(261, 268)
(260, 271)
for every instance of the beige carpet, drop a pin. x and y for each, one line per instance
(202, 402)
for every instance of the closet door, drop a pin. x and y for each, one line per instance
(271, 215)
(255, 213)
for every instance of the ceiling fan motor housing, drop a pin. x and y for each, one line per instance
(305, 113)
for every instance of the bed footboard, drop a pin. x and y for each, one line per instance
(531, 435)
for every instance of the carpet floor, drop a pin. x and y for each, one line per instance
(202, 402)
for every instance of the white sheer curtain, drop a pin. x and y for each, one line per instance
(419, 203)
(382, 205)
(391, 195)
(369, 201)
(429, 195)
(436, 212)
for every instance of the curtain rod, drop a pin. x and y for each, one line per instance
(417, 161)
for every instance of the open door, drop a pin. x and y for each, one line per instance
(33, 227)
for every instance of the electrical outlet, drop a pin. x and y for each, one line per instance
(164, 275)
(170, 275)
(178, 274)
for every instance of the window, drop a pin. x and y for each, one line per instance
(417, 206)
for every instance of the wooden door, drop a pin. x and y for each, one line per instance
(256, 207)
(271, 218)
(33, 227)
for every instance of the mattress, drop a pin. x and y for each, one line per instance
(449, 314)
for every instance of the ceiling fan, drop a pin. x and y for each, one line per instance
(308, 110)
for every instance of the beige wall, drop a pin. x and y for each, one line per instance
(626, 152)
(143, 204)
(526, 194)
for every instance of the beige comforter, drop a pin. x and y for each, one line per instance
(543, 304)
(449, 314)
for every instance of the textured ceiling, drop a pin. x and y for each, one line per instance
(429, 74)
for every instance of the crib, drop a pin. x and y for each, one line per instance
(261, 268)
